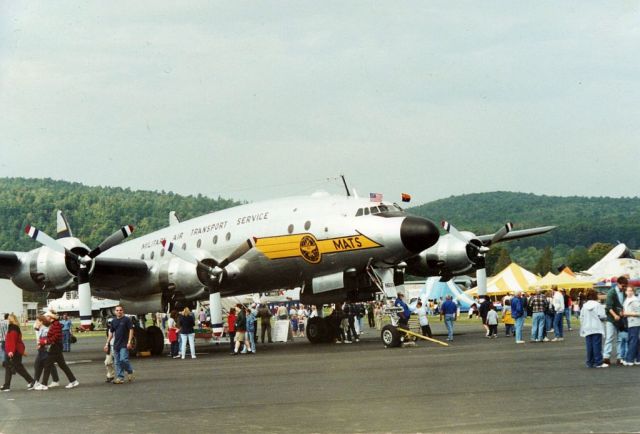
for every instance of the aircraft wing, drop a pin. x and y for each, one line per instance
(9, 264)
(114, 273)
(515, 235)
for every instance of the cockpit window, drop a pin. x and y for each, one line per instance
(359, 212)
(383, 208)
(374, 210)
(366, 211)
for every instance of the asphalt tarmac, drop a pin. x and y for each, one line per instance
(475, 385)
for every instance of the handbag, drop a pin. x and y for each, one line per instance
(73, 339)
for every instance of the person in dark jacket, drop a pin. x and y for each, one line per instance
(265, 322)
(15, 350)
(54, 341)
(483, 310)
(187, 325)
(241, 328)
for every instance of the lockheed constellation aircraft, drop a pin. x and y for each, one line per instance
(335, 248)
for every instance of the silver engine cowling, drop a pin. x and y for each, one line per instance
(43, 269)
(448, 257)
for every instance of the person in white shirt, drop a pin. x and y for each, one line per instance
(558, 306)
(631, 311)
(423, 318)
(591, 328)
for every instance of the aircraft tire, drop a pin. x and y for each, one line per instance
(155, 340)
(316, 330)
(390, 336)
(140, 341)
(330, 331)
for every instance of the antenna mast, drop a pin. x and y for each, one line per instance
(345, 185)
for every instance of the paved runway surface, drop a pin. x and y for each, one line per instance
(477, 385)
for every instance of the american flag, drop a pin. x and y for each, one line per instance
(375, 197)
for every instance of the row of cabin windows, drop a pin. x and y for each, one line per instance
(307, 226)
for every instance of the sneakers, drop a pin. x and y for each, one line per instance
(625, 363)
(554, 340)
(54, 384)
(118, 381)
(131, 377)
(637, 363)
(519, 342)
(71, 385)
(40, 387)
(176, 357)
(604, 365)
(32, 385)
(546, 339)
(606, 361)
(5, 388)
(338, 342)
(108, 380)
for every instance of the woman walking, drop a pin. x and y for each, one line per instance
(14, 348)
(187, 324)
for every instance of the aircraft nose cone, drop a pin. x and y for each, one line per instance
(418, 234)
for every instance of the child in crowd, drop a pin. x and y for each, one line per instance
(492, 322)
(507, 319)
(172, 334)
(591, 328)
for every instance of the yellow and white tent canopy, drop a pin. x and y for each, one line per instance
(507, 281)
(562, 281)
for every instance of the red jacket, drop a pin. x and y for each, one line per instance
(54, 335)
(231, 322)
(13, 342)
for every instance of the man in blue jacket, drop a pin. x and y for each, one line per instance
(518, 314)
(450, 313)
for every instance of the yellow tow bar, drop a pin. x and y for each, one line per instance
(409, 332)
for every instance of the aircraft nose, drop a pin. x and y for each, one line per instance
(418, 234)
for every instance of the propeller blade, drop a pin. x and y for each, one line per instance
(504, 230)
(84, 295)
(62, 225)
(113, 240)
(188, 257)
(238, 252)
(453, 231)
(47, 241)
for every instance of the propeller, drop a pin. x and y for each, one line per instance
(477, 250)
(218, 270)
(216, 273)
(83, 262)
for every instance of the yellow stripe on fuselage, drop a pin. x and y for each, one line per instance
(309, 248)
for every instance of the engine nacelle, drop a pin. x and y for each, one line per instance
(449, 256)
(183, 279)
(44, 269)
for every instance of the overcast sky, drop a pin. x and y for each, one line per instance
(262, 99)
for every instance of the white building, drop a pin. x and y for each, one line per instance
(10, 298)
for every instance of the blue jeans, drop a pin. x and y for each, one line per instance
(519, 326)
(183, 344)
(121, 362)
(611, 333)
(448, 322)
(567, 316)
(594, 350)
(632, 350)
(557, 324)
(548, 323)
(623, 345)
(508, 329)
(66, 340)
(2, 353)
(537, 326)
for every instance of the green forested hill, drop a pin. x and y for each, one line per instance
(580, 220)
(93, 212)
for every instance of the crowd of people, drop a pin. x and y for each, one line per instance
(617, 320)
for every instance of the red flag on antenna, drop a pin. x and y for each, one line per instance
(406, 197)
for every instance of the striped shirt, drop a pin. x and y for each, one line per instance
(54, 336)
